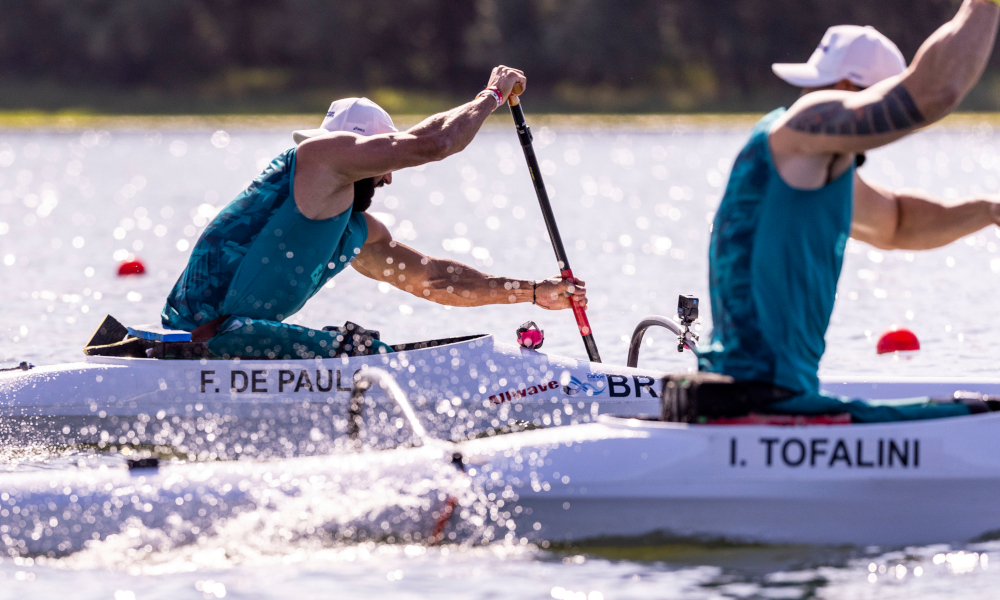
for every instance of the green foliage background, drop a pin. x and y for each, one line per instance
(183, 56)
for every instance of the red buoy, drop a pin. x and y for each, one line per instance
(132, 266)
(897, 340)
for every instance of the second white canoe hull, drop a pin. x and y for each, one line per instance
(886, 484)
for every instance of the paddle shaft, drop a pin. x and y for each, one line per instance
(524, 135)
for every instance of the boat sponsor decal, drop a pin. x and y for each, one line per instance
(595, 385)
(620, 386)
(530, 390)
(827, 453)
(288, 381)
(590, 384)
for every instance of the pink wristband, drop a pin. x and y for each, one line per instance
(492, 91)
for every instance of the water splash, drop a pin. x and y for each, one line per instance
(225, 513)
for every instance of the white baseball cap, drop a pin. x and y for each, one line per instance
(357, 115)
(861, 55)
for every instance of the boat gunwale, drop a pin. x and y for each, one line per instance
(640, 424)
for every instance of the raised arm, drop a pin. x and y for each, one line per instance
(911, 220)
(327, 166)
(945, 68)
(452, 283)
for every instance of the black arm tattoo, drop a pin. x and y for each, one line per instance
(895, 112)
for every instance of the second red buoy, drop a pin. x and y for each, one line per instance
(897, 340)
(133, 266)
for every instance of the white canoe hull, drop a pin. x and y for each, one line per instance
(883, 484)
(232, 407)
(301, 405)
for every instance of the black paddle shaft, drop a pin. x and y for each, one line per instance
(524, 136)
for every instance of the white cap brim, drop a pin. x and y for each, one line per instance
(304, 134)
(802, 75)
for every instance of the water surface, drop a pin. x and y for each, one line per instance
(634, 209)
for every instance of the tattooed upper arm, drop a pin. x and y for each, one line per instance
(894, 112)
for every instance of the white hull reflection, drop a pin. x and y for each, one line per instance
(395, 496)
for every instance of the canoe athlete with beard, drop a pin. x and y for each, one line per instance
(303, 221)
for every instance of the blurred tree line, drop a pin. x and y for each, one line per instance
(417, 55)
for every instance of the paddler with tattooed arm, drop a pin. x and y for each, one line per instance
(303, 221)
(795, 196)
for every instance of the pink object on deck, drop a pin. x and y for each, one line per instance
(530, 336)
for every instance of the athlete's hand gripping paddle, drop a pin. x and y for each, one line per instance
(524, 135)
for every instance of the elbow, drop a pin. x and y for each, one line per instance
(953, 96)
(889, 244)
(438, 147)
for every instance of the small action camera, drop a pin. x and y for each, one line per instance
(687, 309)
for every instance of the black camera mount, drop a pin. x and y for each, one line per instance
(687, 314)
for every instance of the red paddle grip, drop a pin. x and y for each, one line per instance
(578, 311)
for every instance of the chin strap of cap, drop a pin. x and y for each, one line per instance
(530, 336)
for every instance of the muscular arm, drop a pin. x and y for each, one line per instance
(911, 220)
(945, 68)
(351, 157)
(449, 282)
(327, 166)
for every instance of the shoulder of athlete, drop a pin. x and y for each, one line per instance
(321, 190)
(804, 170)
(791, 134)
(378, 233)
(325, 153)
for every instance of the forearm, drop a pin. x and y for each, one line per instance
(953, 58)
(454, 284)
(438, 280)
(454, 129)
(924, 223)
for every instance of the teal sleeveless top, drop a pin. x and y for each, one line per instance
(260, 257)
(774, 261)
